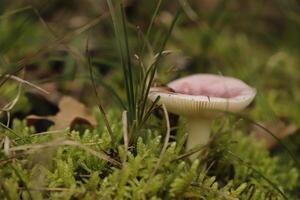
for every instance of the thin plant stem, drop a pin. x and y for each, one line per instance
(98, 98)
(166, 142)
(128, 64)
(29, 149)
(291, 154)
(240, 160)
(157, 8)
(153, 68)
(125, 134)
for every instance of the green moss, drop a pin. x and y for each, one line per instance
(68, 172)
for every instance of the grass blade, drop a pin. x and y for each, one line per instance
(121, 54)
(291, 154)
(153, 68)
(12, 131)
(131, 101)
(240, 160)
(97, 96)
(157, 8)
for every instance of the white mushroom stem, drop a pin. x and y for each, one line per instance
(203, 96)
(198, 134)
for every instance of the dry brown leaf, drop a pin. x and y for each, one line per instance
(53, 89)
(71, 112)
(280, 129)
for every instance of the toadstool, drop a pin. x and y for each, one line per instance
(200, 98)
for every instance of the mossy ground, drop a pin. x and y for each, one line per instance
(60, 171)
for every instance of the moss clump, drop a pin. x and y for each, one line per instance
(43, 166)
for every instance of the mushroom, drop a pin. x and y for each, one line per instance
(200, 98)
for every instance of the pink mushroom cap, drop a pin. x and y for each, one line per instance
(210, 85)
(204, 93)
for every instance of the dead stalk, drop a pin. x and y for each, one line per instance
(125, 134)
(13, 77)
(166, 142)
(30, 149)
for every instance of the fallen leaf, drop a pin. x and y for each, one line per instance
(280, 129)
(53, 89)
(71, 112)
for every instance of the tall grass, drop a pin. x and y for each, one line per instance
(137, 79)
